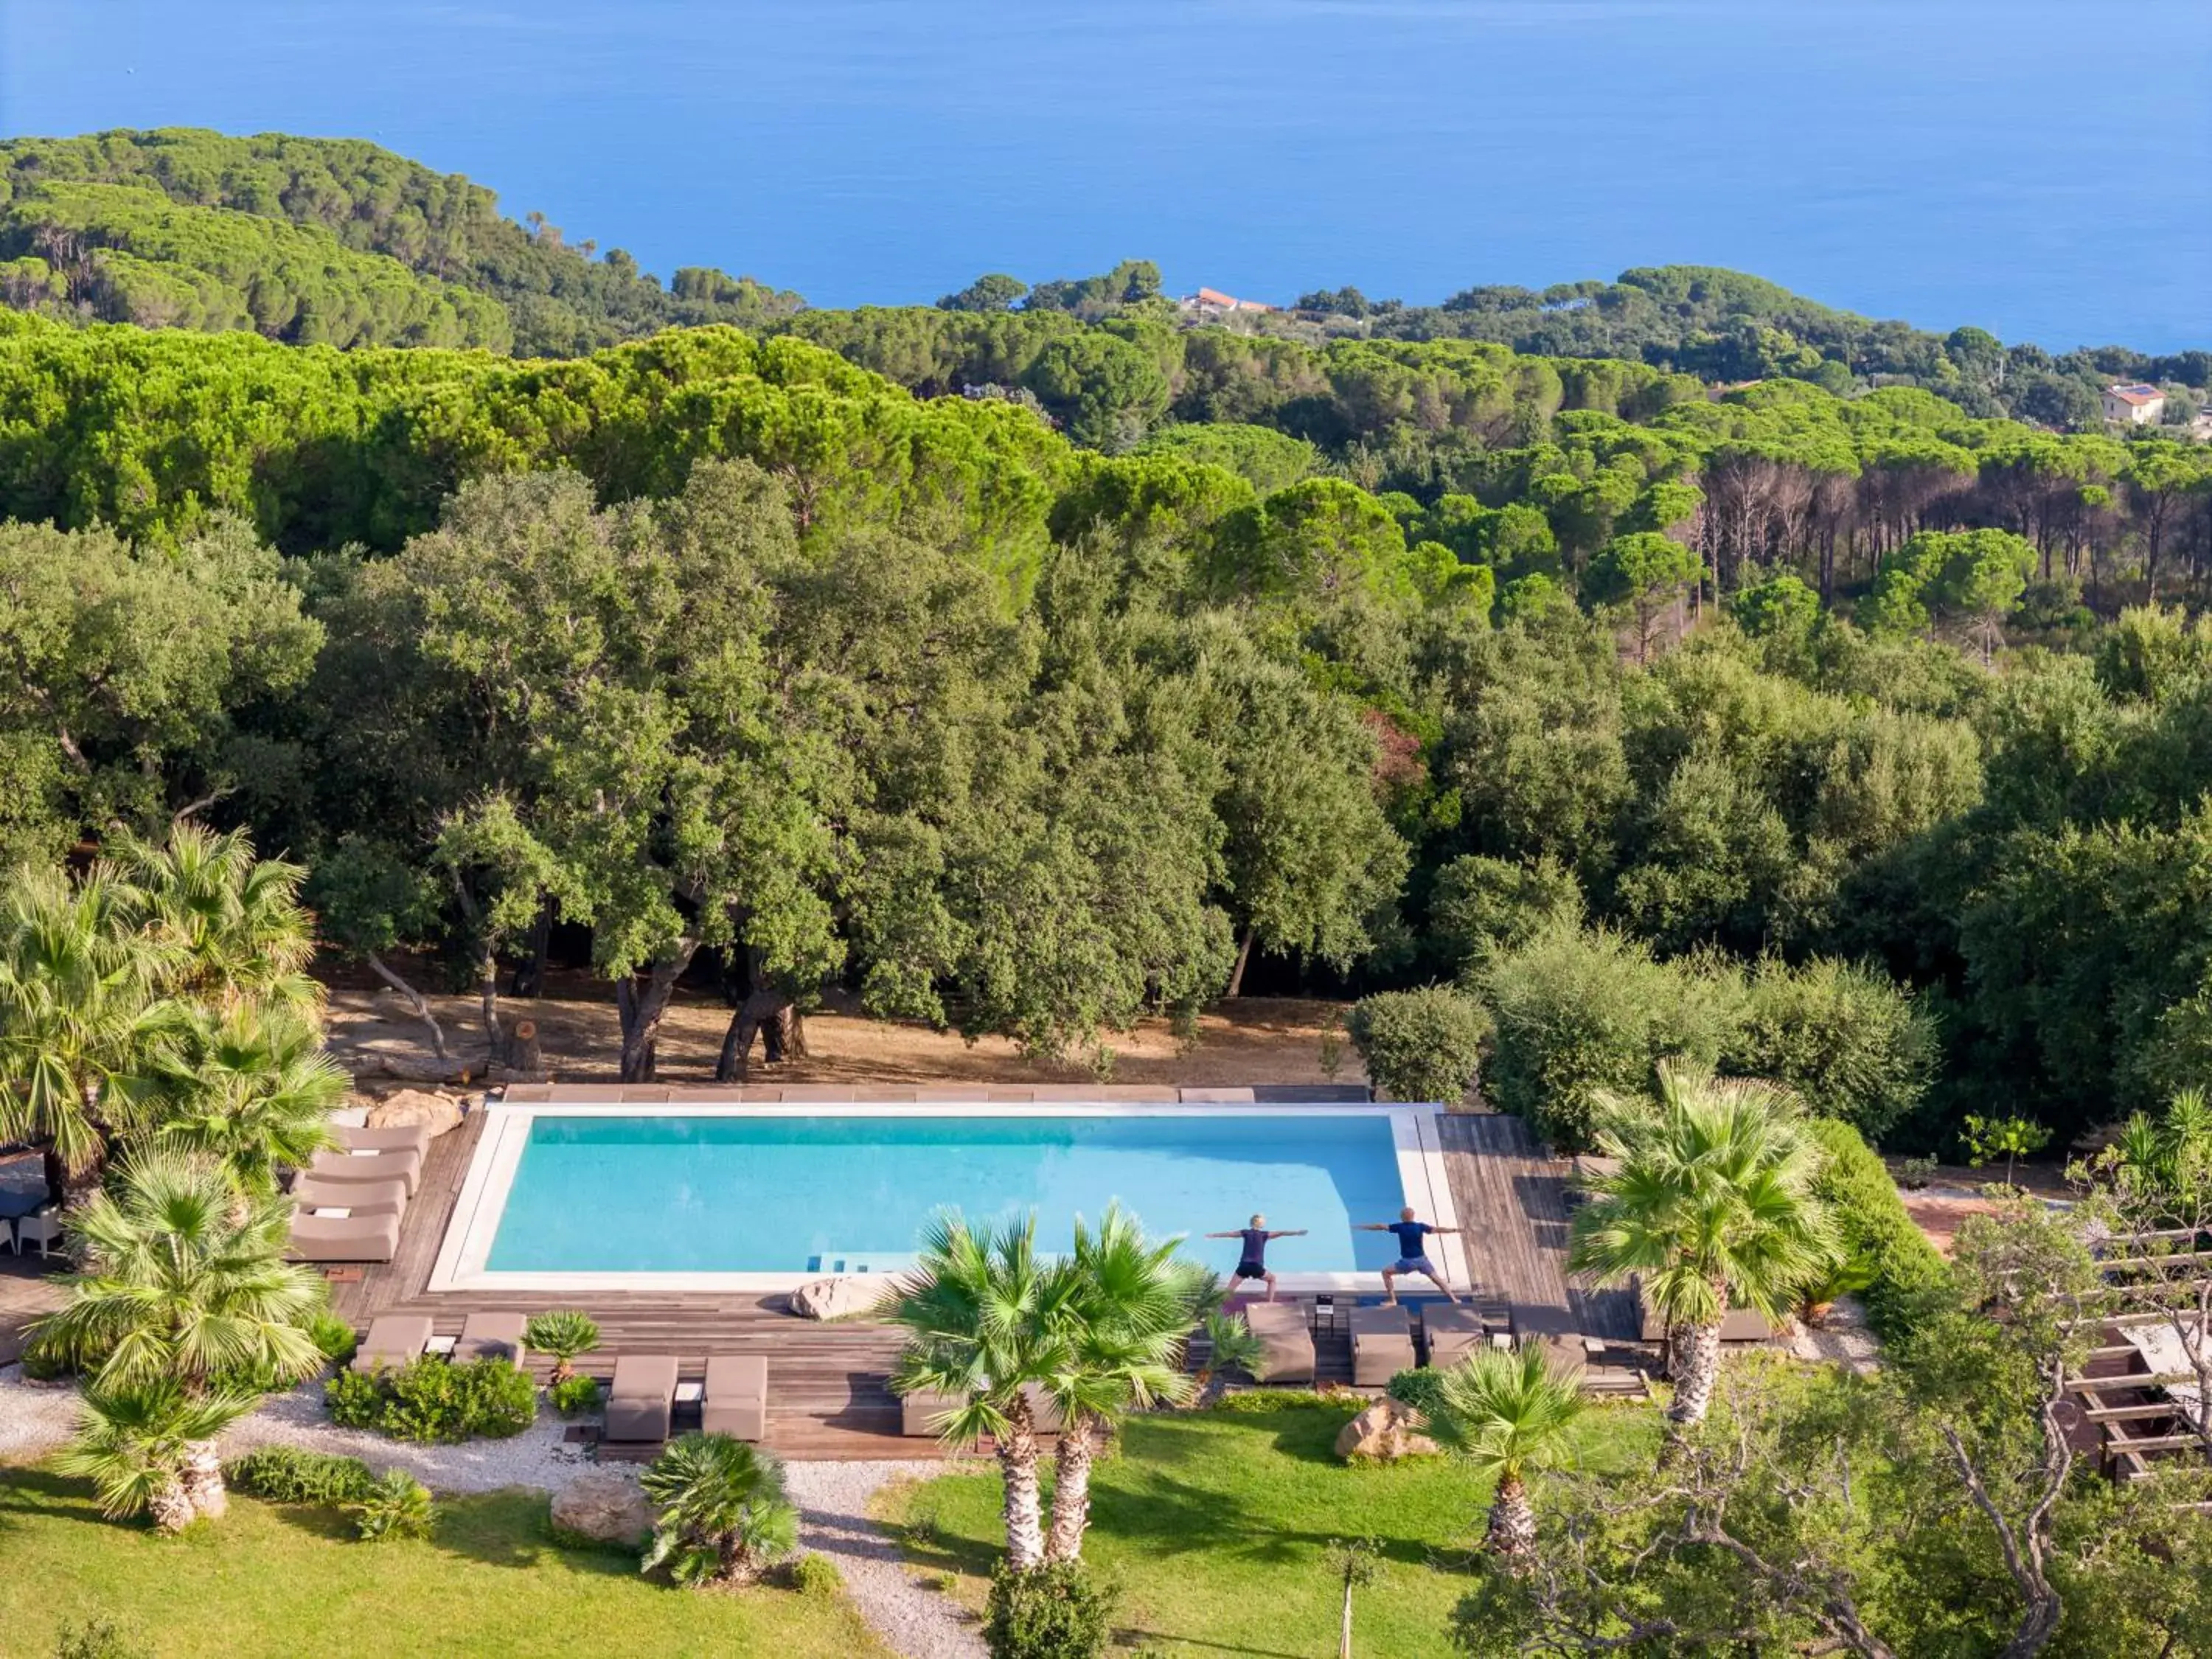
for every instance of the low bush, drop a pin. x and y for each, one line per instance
(1058, 1612)
(1907, 1273)
(286, 1475)
(574, 1395)
(430, 1399)
(335, 1337)
(397, 1506)
(1423, 1044)
(101, 1638)
(1420, 1388)
(814, 1575)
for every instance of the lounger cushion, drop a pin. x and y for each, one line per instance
(1452, 1331)
(639, 1403)
(920, 1412)
(736, 1403)
(492, 1336)
(392, 1339)
(1382, 1346)
(405, 1166)
(1286, 1346)
(345, 1239)
(1741, 1325)
(361, 1197)
(399, 1137)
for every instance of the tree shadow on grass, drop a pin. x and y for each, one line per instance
(1169, 1517)
(1303, 1429)
(29, 1491)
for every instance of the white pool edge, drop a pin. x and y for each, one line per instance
(465, 1253)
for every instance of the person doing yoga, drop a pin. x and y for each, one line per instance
(1413, 1252)
(1253, 1263)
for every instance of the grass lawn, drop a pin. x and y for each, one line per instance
(1216, 1523)
(287, 1582)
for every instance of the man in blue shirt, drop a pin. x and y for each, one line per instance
(1253, 1263)
(1413, 1252)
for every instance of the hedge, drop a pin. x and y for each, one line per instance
(1909, 1272)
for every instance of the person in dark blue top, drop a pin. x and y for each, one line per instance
(1413, 1252)
(1254, 1263)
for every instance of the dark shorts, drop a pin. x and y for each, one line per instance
(1250, 1270)
(1415, 1264)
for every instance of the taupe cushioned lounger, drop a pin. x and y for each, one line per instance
(392, 1339)
(920, 1414)
(361, 1197)
(492, 1336)
(1286, 1345)
(405, 1166)
(639, 1403)
(345, 1239)
(1741, 1325)
(1382, 1345)
(1044, 1410)
(1553, 1329)
(736, 1403)
(397, 1138)
(1453, 1330)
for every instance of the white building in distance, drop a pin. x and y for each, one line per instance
(2138, 405)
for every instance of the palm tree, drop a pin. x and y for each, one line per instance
(1230, 1347)
(1131, 1306)
(1510, 1415)
(987, 1318)
(80, 1025)
(1712, 1203)
(249, 1086)
(148, 1448)
(564, 1332)
(724, 1519)
(232, 923)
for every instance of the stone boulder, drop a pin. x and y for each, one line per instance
(1386, 1432)
(604, 1505)
(841, 1298)
(412, 1106)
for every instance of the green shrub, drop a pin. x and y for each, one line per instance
(564, 1332)
(1420, 1045)
(574, 1395)
(1057, 1612)
(335, 1337)
(286, 1475)
(1850, 1042)
(1482, 905)
(1908, 1274)
(1582, 1011)
(814, 1575)
(101, 1638)
(397, 1506)
(431, 1399)
(1420, 1388)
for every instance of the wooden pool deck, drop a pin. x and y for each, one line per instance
(828, 1396)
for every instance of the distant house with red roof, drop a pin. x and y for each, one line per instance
(2137, 404)
(1212, 299)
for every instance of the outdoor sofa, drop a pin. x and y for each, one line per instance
(392, 1339)
(736, 1400)
(641, 1399)
(1286, 1345)
(1382, 1345)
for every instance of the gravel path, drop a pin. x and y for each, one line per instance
(34, 1420)
(833, 1497)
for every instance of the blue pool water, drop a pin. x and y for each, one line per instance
(756, 1194)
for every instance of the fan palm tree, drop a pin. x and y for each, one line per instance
(182, 1280)
(232, 923)
(251, 1087)
(81, 1026)
(1131, 1306)
(987, 1318)
(1712, 1203)
(1510, 1415)
(724, 1519)
(149, 1447)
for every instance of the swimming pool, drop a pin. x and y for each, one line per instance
(767, 1198)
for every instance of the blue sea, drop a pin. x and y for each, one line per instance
(828, 1194)
(2040, 168)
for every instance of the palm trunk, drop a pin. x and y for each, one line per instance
(1070, 1490)
(1017, 1463)
(1512, 1522)
(1694, 1353)
(201, 1481)
(170, 1507)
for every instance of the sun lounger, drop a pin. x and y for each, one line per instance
(1453, 1331)
(639, 1403)
(345, 1239)
(361, 1197)
(1044, 1411)
(1382, 1346)
(392, 1339)
(1741, 1325)
(1554, 1330)
(492, 1336)
(736, 1403)
(1286, 1346)
(355, 1167)
(920, 1413)
(397, 1138)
